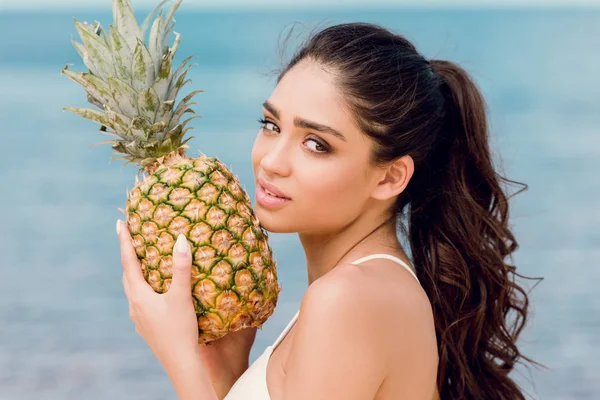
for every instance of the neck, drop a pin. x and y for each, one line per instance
(362, 236)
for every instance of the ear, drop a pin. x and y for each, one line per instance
(395, 178)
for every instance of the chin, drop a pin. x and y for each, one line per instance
(272, 222)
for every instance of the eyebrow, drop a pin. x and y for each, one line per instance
(304, 123)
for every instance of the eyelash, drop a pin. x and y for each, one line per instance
(264, 121)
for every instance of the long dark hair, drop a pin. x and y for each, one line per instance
(454, 207)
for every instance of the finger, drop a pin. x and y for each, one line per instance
(129, 260)
(182, 267)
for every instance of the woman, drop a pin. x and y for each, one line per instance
(360, 132)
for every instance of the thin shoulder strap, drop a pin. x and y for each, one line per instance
(389, 257)
(286, 330)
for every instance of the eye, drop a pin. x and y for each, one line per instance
(318, 148)
(265, 122)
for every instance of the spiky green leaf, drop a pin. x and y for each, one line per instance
(188, 138)
(125, 22)
(175, 45)
(167, 21)
(149, 103)
(175, 133)
(103, 142)
(182, 66)
(183, 108)
(89, 113)
(92, 100)
(96, 50)
(122, 55)
(109, 133)
(177, 84)
(187, 121)
(125, 96)
(146, 23)
(164, 111)
(142, 68)
(154, 47)
(191, 95)
(158, 129)
(84, 56)
(163, 79)
(139, 134)
(99, 30)
(94, 86)
(119, 122)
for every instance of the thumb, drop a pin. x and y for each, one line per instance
(182, 266)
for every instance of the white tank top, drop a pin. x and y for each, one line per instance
(253, 383)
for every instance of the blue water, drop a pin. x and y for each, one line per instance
(64, 329)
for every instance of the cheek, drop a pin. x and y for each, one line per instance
(330, 189)
(329, 202)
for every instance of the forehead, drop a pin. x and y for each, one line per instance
(309, 91)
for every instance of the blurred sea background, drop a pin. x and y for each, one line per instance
(64, 328)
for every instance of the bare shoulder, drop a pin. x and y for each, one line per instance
(382, 300)
(351, 314)
(333, 331)
(375, 288)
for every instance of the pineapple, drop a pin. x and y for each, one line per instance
(133, 86)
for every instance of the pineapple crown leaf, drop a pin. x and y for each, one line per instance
(125, 21)
(132, 82)
(99, 143)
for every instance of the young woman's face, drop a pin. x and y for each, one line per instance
(325, 177)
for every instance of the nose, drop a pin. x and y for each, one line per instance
(276, 160)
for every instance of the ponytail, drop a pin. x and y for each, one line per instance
(459, 235)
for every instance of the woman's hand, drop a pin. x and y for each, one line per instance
(167, 322)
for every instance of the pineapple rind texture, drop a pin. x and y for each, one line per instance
(234, 280)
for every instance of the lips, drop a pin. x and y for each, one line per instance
(272, 189)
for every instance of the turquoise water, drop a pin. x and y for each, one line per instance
(65, 333)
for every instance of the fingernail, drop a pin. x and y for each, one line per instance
(118, 226)
(182, 246)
